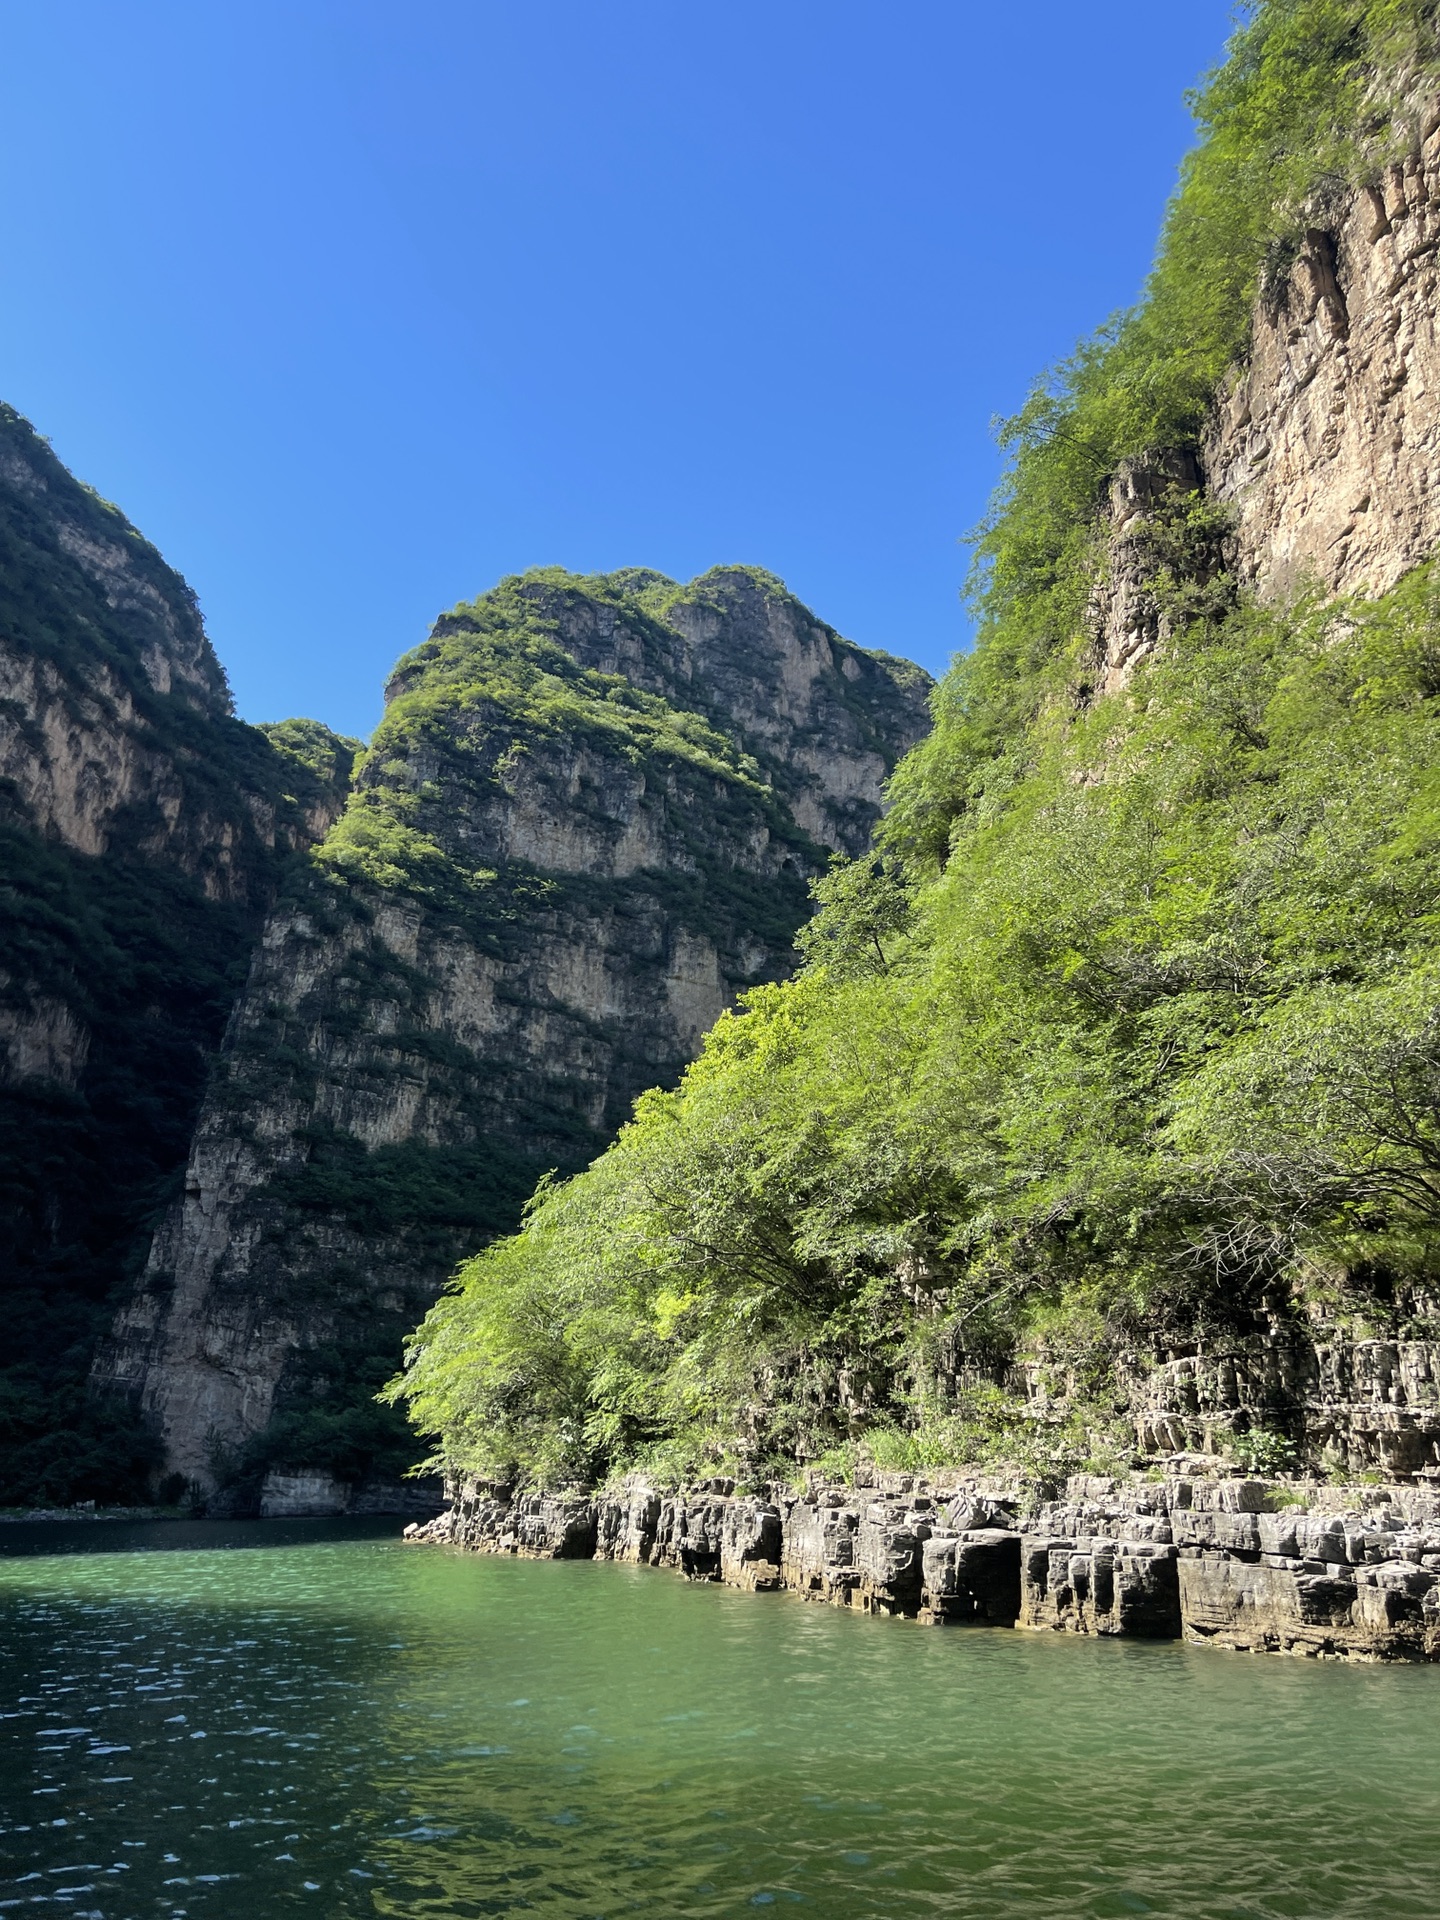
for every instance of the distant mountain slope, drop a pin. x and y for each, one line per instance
(588, 820)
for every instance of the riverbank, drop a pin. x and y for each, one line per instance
(1255, 1566)
(87, 1510)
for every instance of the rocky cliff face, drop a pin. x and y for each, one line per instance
(587, 822)
(1319, 469)
(1163, 544)
(1363, 1399)
(117, 734)
(1320, 465)
(142, 833)
(97, 628)
(1327, 442)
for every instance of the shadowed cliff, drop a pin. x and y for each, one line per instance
(143, 832)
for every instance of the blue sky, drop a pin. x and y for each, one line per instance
(356, 306)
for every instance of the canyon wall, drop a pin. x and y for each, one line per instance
(586, 824)
(1319, 469)
(1326, 444)
(143, 833)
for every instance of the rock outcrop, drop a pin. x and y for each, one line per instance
(1326, 444)
(587, 823)
(1346, 1566)
(312, 1492)
(1363, 1401)
(143, 834)
(117, 732)
(1320, 464)
(1155, 554)
(1253, 1566)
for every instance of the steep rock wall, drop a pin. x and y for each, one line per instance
(1320, 466)
(1327, 442)
(1365, 1401)
(143, 830)
(586, 824)
(1151, 561)
(1322, 452)
(117, 734)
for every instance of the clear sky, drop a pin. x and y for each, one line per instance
(356, 305)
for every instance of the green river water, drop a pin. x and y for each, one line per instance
(258, 1719)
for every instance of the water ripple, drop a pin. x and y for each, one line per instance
(353, 1728)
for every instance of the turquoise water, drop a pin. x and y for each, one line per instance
(267, 1718)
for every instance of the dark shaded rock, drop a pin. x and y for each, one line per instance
(971, 1578)
(144, 834)
(1100, 1586)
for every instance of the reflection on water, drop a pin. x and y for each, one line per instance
(345, 1726)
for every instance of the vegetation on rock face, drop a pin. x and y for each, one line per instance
(1129, 1034)
(497, 702)
(1158, 1048)
(495, 719)
(587, 665)
(495, 695)
(320, 761)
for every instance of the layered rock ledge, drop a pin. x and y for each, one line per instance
(1250, 1565)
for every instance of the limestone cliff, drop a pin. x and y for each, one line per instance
(1149, 1202)
(1318, 470)
(142, 833)
(1320, 463)
(1327, 442)
(586, 823)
